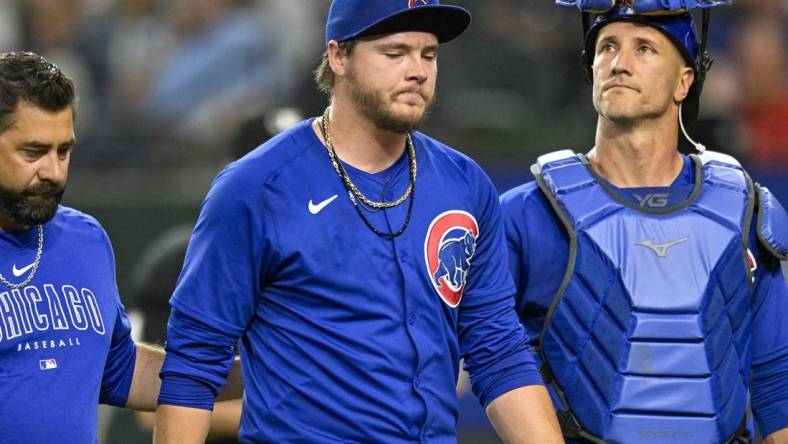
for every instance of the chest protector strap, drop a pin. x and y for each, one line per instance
(648, 337)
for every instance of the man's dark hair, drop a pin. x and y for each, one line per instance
(25, 76)
(324, 76)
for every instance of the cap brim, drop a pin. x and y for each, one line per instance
(445, 21)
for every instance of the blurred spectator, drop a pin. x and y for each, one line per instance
(514, 84)
(225, 61)
(55, 29)
(172, 79)
(761, 53)
(185, 74)
(10, 25)
(137, 45)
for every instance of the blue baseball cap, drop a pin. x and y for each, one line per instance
(352, 19)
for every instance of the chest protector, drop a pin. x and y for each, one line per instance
(648, 337)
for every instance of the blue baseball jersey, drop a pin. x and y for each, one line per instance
(539, 250)
(65, 340)
(346, 336)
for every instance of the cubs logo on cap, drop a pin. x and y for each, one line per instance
(448, 249)
(352, 19)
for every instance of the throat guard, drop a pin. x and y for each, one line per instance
(648, 337)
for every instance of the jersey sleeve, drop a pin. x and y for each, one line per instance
(769, 386)
(516, 232)
(538, 248)
(489, 274)
(515, 216)
(119, 367)
(218, 290)
(492, 342)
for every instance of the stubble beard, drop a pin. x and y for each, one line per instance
(375, 106)
(32, 206)
(626, 112)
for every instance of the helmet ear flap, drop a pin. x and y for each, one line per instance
(587, 60)
(691, 103)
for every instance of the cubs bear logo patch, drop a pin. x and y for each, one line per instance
(448, 248)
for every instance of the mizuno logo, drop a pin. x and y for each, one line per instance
(661, 249)
(20, 271)
(316, 208)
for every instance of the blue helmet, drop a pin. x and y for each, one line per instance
(671, 17)
(678, 28)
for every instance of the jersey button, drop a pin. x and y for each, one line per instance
(416, 382)
(403, 257)
(411, 319)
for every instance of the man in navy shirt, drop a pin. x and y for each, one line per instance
(650, 281)
(357, 261)
(65, 342)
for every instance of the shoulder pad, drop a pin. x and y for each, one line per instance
(555, 156)
(772, 224)
(717, 157)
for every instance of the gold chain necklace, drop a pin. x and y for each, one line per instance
(33, 269)
(325, 129)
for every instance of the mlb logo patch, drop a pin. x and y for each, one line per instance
(47, 364)
(414, 3)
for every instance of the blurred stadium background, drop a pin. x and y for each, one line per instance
(170, 90)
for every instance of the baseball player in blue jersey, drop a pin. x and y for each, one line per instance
(357, 261)
(650, 281)
(64, 335)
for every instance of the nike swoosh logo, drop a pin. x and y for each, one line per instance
(20, 271)
(316, 208)
(661, 249)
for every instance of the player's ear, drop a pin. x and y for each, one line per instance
(686, 76)
(337, 58)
